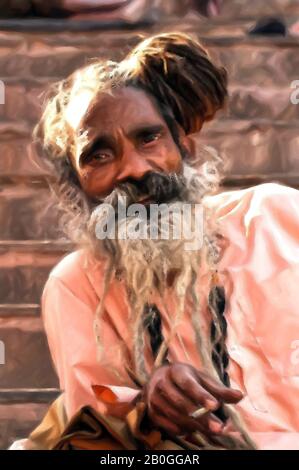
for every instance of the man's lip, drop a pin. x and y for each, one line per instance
(146, 200)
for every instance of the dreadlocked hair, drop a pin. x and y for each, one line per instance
(178, 72)
(188, 89)
(142, 272)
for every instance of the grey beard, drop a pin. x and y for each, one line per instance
(146, 263)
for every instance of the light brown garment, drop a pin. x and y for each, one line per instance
(260, 273)
(90, 430)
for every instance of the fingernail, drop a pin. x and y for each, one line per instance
(215, 427)
(211, 404)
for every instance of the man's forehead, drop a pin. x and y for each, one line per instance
(78, 106)
(127, 107)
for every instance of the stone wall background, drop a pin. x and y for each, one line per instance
(258, 136)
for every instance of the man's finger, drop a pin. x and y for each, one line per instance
(189, 384)
(176, 398)
(221, 392)
(211, 425)
(175, 405)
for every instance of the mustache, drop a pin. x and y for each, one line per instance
(158, 186)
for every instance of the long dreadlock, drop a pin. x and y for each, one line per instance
(188, 89)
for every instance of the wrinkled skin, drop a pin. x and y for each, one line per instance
(177, 390)
(127, 138)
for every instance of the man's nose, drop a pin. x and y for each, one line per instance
(134, 166)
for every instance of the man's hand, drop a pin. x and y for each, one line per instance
(175, 391)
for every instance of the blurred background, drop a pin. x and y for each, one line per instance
(42, 42)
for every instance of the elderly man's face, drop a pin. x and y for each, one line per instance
(124, 137)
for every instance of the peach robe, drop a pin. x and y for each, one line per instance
(260, 271)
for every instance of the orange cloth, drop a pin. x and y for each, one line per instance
(260, 273)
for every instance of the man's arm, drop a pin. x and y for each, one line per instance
(68, 322)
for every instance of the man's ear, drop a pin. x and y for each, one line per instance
(190, 141)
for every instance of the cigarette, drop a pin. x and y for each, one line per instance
(200, 412)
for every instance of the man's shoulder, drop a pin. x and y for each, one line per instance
(264, 191)
(69, 267)
(254, 200)
(80, 273)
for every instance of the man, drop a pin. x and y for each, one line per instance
(206, 338)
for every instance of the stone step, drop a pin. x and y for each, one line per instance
(150, 11)
(24, 268)
(255, 149)
(52, 56)
(16, 396)
(224, 25)
(18, 420)
(248, 102)
(245, 181)
(25, 358)
(255, 8)
(260, 63)
(23, 284)
(19, 310)
(27, 213)
(23, 275)
(56, 247)
(20, 158)
(23, 103)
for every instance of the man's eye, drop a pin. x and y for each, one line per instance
(101, 156)
(148, 138)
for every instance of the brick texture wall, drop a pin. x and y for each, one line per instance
(257, 136)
